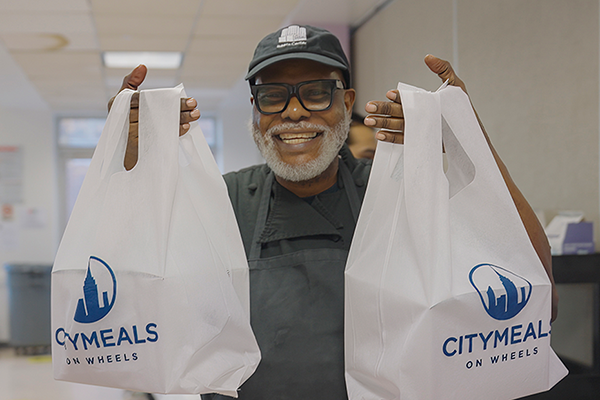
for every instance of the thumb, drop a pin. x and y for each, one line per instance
(444, 70)
(135, 78)
(131, 81)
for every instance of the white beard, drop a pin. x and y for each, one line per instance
(331, 143)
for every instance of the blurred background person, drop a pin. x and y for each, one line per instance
(361, 138)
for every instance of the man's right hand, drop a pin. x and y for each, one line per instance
(189, 113)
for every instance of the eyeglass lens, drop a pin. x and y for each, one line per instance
(313, 95)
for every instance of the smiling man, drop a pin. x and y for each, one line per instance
(297, 213)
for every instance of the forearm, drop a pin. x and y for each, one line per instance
(534, 229)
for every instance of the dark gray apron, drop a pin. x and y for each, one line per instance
(297, 314)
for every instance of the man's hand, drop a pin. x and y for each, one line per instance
(189, 113)
(390, 118)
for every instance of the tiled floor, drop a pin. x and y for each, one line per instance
(30, 378)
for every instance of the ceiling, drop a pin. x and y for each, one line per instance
(55, 46)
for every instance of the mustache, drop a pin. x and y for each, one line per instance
(302, 125)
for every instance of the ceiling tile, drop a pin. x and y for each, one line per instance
(60, 64)
(121, 72)
(62, 87)
(146, 7)
(44, 5)
(237, 25)
(143, 25)
(49, 42)
(222, 46)
(247, 9)
(136, 42)
(44, 22)
(72, 93)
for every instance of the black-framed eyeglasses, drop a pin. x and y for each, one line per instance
(273, 98)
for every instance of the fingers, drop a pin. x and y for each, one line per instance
(389, 136)
(185, 119)
(444, 70)
(134, 108)
(189, 116)
(388, 117)
(188, 104)
(386, 123)
(131, 154)
(189, 113)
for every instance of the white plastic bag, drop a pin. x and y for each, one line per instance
(142, 291)
(445, 295)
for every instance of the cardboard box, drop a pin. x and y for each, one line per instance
(579, 238)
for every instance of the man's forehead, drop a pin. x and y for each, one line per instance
(297, 70)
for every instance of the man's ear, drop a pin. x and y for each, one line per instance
(252, 100)
(349, 98)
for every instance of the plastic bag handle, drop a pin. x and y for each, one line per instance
(113, 140)
(159, 116)
(426, 190)
(156, 149)
(461, 169)
(467, 131)
(114, 131)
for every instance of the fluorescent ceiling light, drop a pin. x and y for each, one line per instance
(151, 59)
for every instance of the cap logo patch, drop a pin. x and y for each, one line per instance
(293, 35)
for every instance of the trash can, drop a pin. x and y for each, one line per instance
(29, 307)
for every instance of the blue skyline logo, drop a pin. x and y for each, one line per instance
(89, 308)
(502, 293)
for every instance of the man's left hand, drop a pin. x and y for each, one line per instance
(389, 118)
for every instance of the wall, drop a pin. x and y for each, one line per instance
(531, 69)
(26, 122)
(239, 150)
(31, 130)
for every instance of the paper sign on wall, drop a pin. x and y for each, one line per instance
(11, 174)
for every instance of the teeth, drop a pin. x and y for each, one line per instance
(300, 135)
(295, 138)
(296, 141)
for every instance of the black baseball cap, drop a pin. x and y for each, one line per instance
(305, 42)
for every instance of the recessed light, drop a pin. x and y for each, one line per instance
(151, 59)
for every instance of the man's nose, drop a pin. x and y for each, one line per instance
(294, 110)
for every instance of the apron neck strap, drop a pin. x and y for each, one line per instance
(261, 218)
(350, 187)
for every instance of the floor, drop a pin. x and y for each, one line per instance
(580, 384)
(30, 378)
(24, 377)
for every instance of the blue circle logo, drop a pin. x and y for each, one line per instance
(502, 293)
(99, 276)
